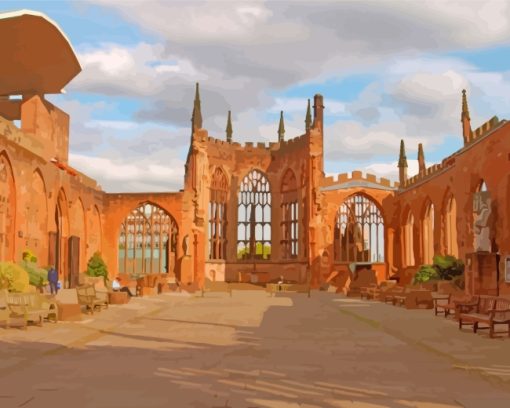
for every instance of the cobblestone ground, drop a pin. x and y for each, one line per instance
(248, 350)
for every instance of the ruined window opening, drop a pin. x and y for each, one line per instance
(147, 241)
(359, 231)
(451, 227)
(218, 215)
(428, 234)
(290, 216)
(254, 217)
(409, 240)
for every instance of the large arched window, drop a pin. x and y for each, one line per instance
(7, 210)
(428, 234)
(147, 241)
(409, 240)
(450, 218)
(217, 215)
(289, 223)
(359, 231)
(254, 217)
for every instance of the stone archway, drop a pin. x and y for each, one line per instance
(147, 241)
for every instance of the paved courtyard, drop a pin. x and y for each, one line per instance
(252, 350)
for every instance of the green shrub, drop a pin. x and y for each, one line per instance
(448, 266)
(425, 274)
(37, 276)
(445, 267)
(97, 267)
(29, 256)
(13, 277)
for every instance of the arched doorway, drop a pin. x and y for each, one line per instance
(359, 231)
(147, 241)
(58, 250)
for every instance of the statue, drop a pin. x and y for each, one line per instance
(185, 245)
(482, 212)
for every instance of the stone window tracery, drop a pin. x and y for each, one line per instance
(147, 241)
(254, 217)
(289, 223)
(359, 231)
(217, 215)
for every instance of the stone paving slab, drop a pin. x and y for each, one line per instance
(466, 350)
(246, 351)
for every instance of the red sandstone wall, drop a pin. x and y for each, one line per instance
(38, 185)
(486, 158)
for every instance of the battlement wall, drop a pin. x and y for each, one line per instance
(358, 176)
(287, 145)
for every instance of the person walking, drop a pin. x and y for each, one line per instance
(53, 280)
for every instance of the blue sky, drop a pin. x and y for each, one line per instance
(388, 71)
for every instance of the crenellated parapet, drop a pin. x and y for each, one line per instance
(430, 171)
(286, 145)
(356, 178)
(486, 128)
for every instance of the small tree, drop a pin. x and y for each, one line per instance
(97, 267)
(425, 274)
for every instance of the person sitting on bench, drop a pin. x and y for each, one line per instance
(116, 287)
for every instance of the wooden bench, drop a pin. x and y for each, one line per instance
(415, 299)
(488, 310)
(88, 297)
(450, 303)
(365, 291)
(391, 294)
(20, 306)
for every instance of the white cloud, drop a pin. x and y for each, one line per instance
(119, 176)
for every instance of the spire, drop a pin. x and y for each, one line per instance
(281, 128)
(465, 119)
(421, 160)
(229, 128)
(465, 110)
(318, 112)
(308, 117)
(402, 165)
(196, 118)
(402, 159)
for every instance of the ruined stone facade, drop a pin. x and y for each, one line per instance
(251, 212)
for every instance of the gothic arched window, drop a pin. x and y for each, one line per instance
(289, 223)
(147, 241)
(409, 240)
(254, 217)
(428, 234)
(359, 231)
(450, 214)
(217, 215)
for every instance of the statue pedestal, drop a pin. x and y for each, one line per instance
(186, 269)
(481, 273)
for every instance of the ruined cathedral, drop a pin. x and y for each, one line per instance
(247, 212)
